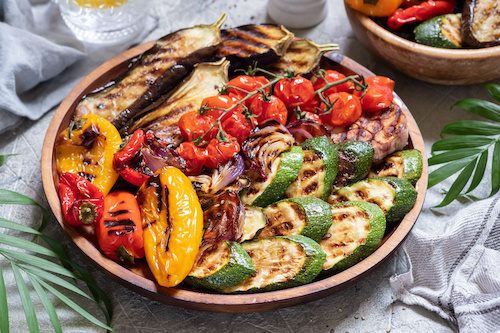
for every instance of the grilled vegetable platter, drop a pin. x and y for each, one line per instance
(234, 163)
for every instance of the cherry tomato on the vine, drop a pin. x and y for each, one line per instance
(238, 126)
(333, 76)
(297, 91)
(243, 84)
(193, 125)
(345, 110)
(273, 108)
(219, 152)
(194, 157)
(219, 103)
(379, 94)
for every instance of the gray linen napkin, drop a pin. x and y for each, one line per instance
(42, 60)
(457, 273)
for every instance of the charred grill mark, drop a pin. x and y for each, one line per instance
(310, 188)
(127, 225)
(118, 212)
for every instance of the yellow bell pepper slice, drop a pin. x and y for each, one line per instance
(172, 221)
(87, 149)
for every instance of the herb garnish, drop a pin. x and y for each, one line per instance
(468, 150)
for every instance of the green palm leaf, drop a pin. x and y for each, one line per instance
(482, 108)
(474, 127)
(448, 170)
(495, 170)
(4, 310)
(3, 158)
(14, 198)
(458, 185)
(480, 168)
(494, 90)
(29, 308)
(461, 141)
(453, 155)
(51, 311)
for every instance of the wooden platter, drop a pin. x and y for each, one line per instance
(139, 278)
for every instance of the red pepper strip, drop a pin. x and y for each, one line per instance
(419, 13)
(82, 202)
(129, 162)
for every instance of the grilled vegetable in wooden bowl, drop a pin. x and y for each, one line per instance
(233, 188)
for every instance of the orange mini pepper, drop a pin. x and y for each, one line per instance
(375, 8)
(172, 221)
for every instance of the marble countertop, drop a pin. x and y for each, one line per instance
(367, 306)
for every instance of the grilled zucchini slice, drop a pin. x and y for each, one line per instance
(356, 231)
(441, 31)
(219, 266)
(307, 216)
(281, 262)
(355, 161)
(319, 170)
(394, 196)
(406, 164)
(284, 170)
(255, 221)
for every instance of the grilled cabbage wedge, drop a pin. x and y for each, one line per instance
(441, 31)
(318, 171)
(254, 45)
(302, 57)
(163, 120)
(153, 74)
(307, 216)
(281, 262)
(395, 196)
(356, 231)
(406, 164)
(284, 170)
(255, 221)
(219, 266)
(355, 158)
(481, 23)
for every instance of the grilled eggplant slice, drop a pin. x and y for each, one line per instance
(395, 196)
(318, 171)
(154, 73)
(281, 262)
(356, 231)
(481, 23)
(355, 160)
(307, 216)
(220, 265)
(302, 57)
(406, 164)
(253, 44)
(163, 120)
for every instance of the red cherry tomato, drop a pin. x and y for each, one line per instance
(219, 103)
(294, 92)
(219, 152)
(333, 76)
(238, 126)
(379, 94)
(272, 109)
(243, 84)
(345, 110)
(380, 80)
(193, 125)
(194, 157)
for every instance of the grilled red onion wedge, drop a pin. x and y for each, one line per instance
(153, 74)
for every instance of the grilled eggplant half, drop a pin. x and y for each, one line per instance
(302, 57)
(254, 44)
(153, 74)
(481, 23)
(163, 120)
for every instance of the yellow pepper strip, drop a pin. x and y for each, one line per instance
(172, 221)
(375, 8)
(87, 149)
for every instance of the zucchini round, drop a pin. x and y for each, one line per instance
(255, 221)
(406, 164)
(441, 31)
(355, 158)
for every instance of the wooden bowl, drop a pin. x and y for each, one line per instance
(425, 63)
(139, 277)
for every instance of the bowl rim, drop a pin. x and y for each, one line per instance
(240, 303)
(471, 53)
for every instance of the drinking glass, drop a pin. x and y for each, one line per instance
(104, 21)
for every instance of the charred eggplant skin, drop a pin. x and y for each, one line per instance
(481, 23)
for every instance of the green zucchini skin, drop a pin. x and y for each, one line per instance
(395, 196)
(255, 221)
(267, 262)
(235, 267)
(288, 169)
(307, 216)
(406, 164)
(374, 219)
(441, 31)
(355, 159)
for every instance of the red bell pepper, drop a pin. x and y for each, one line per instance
(119, 232)
(82, 202)
(130, 163)
(419, 13)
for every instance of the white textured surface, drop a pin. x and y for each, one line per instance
(368, 306)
